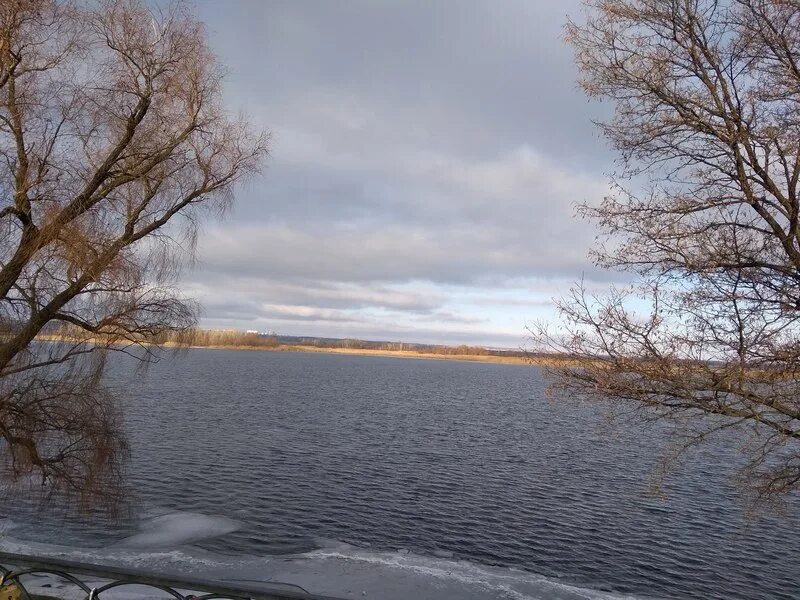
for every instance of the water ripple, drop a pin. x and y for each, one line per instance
(445, 459)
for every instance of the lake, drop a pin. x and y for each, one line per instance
(383, 477)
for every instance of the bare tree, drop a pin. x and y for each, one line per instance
(705, 215)
(113, 143)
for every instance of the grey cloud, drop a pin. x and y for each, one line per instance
(483, 71)
(240, 309)
(445, 219)
(417, 145)
(313, 293)
(466, 255)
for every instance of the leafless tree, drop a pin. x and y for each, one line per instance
(705, 216)
(113, 142)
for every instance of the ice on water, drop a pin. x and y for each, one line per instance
(177, 529)
(163, 545)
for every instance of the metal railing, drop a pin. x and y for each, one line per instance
(177, 588)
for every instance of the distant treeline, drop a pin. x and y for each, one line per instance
(219, 337)
(234, 337)
(356, 344)
(250, 339)
(190, 337)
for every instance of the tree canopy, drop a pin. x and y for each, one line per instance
(705, 219)
(114, 142)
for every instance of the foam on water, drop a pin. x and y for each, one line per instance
(338, 569)
(463, 579)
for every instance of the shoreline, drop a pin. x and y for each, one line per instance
(532, 360)
(506, 360)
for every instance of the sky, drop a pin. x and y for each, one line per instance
(425, 165)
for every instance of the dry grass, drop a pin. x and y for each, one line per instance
(506, 360)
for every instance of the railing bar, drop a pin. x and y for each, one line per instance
(265, 592)
(116, 584)
(35, 571)
(21, 586)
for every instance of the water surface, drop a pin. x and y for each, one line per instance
(430, 469)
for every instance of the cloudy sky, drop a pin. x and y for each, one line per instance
(426, 161)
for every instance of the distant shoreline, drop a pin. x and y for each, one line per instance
(511, 359)
(506, 360)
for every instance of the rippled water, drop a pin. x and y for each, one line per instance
(434, 466)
